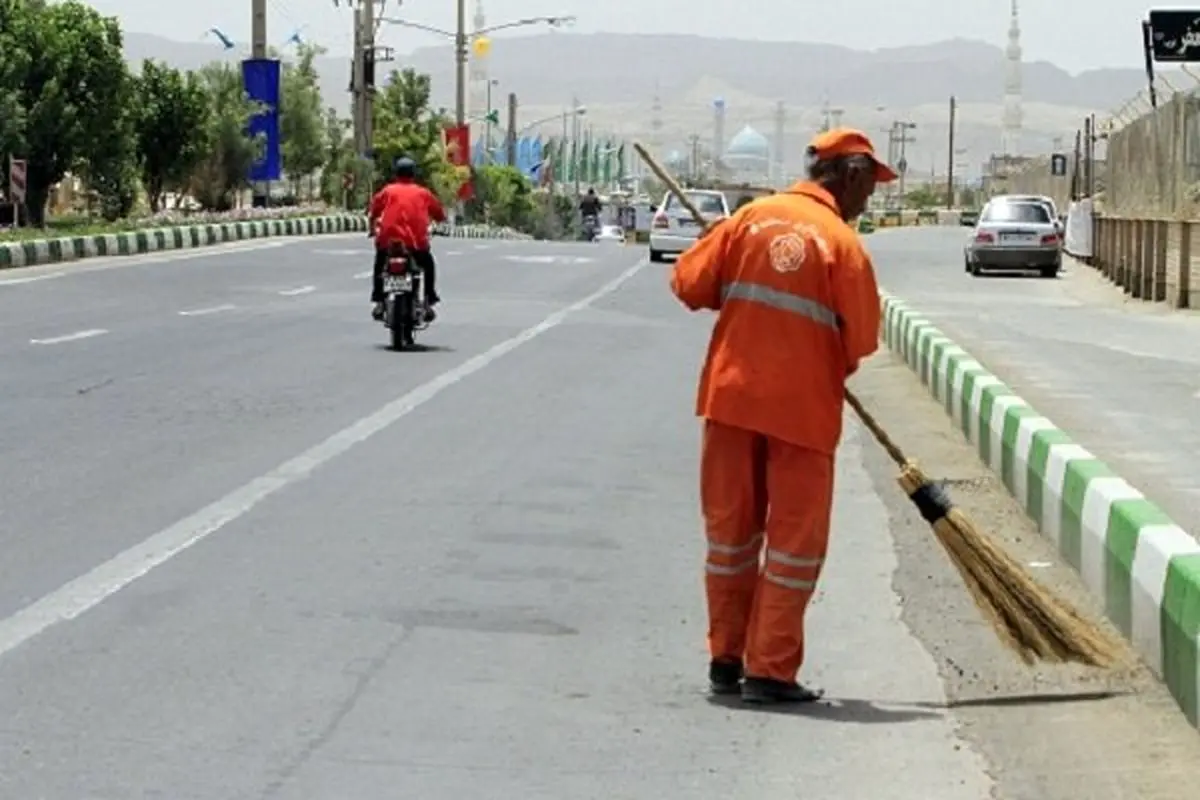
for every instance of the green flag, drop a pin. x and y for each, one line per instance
(585, 162)
(609, 155)
(572, 169)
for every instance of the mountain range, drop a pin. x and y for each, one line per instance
(616, 76)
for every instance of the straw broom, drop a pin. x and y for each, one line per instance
(1028, 619)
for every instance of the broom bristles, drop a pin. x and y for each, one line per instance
(1030, 620)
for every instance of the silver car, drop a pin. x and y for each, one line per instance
(1015, 235)
(1048, 202)
(673, 230)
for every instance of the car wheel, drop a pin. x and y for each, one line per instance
(1051, 271)
(656, 256)
(975, 269)
(966, 263)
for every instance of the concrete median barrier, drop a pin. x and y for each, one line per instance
(130, 243)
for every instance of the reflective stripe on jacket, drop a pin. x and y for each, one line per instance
(798, 309)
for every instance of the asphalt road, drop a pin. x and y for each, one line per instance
(1122, 377)
(250, 553)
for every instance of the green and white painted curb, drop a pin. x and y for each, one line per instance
(1140, 563)
(480, 232)
(130, 243)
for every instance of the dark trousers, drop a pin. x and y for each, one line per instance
(422, 259)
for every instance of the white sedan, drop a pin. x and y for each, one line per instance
(611, 234)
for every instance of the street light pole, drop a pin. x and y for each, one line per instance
(462, 41)
(460, 65)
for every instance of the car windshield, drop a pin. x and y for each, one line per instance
(1032, 213)
(707, 202)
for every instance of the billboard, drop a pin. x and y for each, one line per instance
(260, 77)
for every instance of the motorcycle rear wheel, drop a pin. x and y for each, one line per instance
(401, 322)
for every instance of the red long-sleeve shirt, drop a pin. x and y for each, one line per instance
(404, 210)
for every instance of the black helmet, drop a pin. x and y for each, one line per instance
(404, 167)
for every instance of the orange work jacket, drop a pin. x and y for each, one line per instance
(798, 309)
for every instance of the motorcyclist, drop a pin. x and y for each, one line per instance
(590, 205)
(400, 215)
(589, 213)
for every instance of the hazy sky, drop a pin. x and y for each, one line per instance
(1075, 34)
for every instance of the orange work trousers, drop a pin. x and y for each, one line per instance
(760, 493)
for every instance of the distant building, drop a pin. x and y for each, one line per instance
(748, 157)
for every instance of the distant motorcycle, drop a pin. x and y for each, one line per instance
(404, 310)
(591, 227)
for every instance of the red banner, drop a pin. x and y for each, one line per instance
(458, 153)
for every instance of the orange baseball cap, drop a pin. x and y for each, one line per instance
(849, 142)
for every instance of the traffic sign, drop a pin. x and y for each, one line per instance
(17, 182)
(1058, 164)
(1175, 36)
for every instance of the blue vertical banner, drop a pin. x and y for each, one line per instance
(260, 76)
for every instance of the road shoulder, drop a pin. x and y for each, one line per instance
(1048, 733)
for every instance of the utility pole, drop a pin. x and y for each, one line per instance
(695, 142)
(950, 156)
(368, 59)
(901, 129)
(261, 192)
(510, 138)
(575, 145)
(362, 70)
(258, 28)
(460, 65)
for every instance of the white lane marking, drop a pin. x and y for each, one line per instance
(298, 291)
(454, 252)
(549, 259)
(92, 588)
(362, 275)
(71, 337)
(202, 312)
(359, 252)
(30, 279)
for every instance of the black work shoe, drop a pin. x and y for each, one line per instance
(377, 312)
(725, 677)
(764, 691)
(430, 314)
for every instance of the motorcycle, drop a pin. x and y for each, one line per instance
(591, 227)
(404, 310)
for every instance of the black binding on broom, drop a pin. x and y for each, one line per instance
(931, 501)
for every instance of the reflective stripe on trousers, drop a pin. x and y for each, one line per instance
(744, 557)
(784, 301)
(812, 565)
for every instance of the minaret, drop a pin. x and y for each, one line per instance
(1011, 136)
(718, 136)
(777, 176)
(656, 124)
(477, 71)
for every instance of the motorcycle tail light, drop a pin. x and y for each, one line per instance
(397, 266)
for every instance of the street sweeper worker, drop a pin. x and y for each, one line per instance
(797, 311)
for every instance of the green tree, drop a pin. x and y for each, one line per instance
(503, 196)
(171, 111)
(228, 150)
(302, 129)
(926, 196)
(66, 78)
(406, 125)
